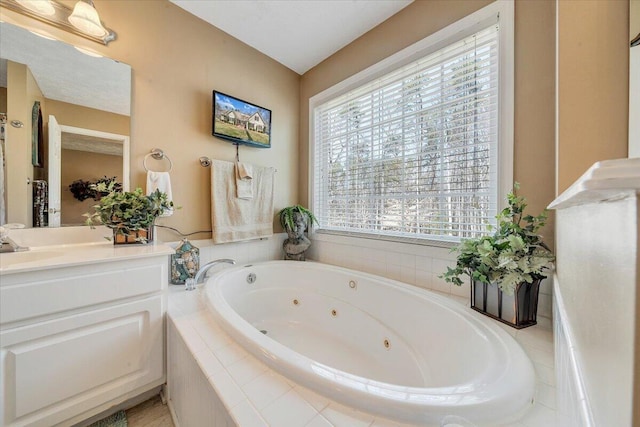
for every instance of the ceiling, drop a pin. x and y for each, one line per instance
(297, 33)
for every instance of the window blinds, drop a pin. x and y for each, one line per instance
(413, 154)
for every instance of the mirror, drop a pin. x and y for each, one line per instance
(89, 98)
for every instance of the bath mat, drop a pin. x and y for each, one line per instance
(119, 419)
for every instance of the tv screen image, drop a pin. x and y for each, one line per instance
(241, 122)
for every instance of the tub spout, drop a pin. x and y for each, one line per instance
(202, 272)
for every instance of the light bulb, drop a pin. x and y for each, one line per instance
(41, 7)
(85, 18)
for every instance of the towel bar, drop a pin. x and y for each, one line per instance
(157, 154)
(205, 162)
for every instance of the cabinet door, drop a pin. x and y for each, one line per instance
(54, 370)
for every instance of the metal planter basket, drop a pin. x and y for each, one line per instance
(518, 310)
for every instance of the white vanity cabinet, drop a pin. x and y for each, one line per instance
(78, 339)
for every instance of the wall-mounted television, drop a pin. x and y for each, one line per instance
(241, 122)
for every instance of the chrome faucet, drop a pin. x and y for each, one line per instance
(190, 283)
(8, 245)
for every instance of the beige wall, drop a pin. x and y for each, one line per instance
(22, 92)
(177, 60)
(81, 164)
(593, 89)
(88, 167)
(534, 82)
(87, 118)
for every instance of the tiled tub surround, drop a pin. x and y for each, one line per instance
(212, 381)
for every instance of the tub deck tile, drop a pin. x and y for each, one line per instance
(266, 388)
(230, 354)
(246, 369)
(208, 362)
(319, 421)
(317, 401)
(290, 409)
(340, 415)
(245, 415)
(224, 385)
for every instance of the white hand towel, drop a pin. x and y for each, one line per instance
(160, 181)
(244, 181)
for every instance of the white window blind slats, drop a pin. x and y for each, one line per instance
(412, 154)
(481, 44)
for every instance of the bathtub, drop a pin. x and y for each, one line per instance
(375, 344)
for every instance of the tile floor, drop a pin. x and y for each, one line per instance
(151, 413)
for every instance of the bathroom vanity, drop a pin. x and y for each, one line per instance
(81, 329)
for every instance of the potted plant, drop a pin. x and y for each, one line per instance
(295, 220)
(506, 267)
(83, 190)
(130, 214)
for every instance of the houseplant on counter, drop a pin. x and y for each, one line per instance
(295, 220)
(506, 267)
(130, 214)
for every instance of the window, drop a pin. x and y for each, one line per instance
(415, 153)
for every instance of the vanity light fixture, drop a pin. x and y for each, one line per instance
(82, 20)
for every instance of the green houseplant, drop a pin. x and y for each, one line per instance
(287, 218)
(510, 264)
(130, 214)
(295, 220)
(83, 190)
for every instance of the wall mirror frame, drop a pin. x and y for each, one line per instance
(90, 98)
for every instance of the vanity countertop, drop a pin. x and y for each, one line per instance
(68, 255)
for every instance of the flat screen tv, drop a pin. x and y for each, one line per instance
(240, 122)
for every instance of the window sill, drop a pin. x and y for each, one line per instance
(388, 243)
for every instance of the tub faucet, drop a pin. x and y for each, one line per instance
(190, 284)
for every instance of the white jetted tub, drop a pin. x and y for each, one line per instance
(378, 345)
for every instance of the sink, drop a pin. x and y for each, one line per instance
(9, 259)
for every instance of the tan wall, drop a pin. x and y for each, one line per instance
(88, 167)
(83, 165)
(177, 60)
(87, 118)
(22, 92)
(593, 89)
(534, 82)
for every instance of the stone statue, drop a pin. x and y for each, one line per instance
(297, 243)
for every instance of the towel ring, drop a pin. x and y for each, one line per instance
(157, 154)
